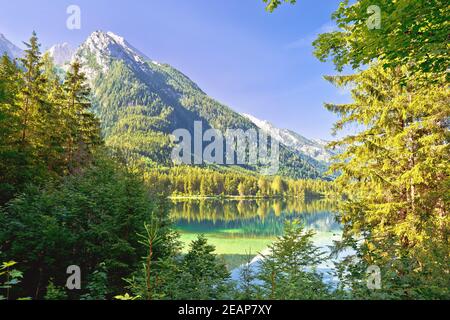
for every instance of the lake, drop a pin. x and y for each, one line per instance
(241, 228)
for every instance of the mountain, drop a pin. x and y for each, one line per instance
(9, 48)
(122, 76)
(140, 102)
(313, 148)
(61, 53)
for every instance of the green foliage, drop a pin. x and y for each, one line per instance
(91, 218)
(9, 124)
(204, 181)
(412, 33)
(97, 284)
(8, 278)
(82, 128)
(288, 272)
(150, 240)
(273, 4)
(247, 289)
(205, 276)
(46, 130)
(198, 275)
(126, 297)
(55, 292)
(395, 174)
(395, 170)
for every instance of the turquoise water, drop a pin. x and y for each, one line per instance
(240, 229)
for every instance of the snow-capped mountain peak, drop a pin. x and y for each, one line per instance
(97, 52)
(314, 148)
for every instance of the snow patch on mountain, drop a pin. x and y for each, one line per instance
(316, 149)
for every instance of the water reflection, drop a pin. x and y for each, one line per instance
(238, 227)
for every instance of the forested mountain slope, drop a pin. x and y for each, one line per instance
(140, 102)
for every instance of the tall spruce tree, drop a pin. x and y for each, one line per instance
(27, 115)
(54, 117)
(395, 170)
(32, 98)
(9, 127)
(82, 127)
(395, 174)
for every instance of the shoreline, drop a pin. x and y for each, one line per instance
(229, 197)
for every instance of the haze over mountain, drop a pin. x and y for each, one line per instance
(9, 48)
(313, 148)
(61, 53)
(140, 102)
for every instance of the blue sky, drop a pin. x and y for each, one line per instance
(251, 60)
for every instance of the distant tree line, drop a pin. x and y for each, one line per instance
(197, 181)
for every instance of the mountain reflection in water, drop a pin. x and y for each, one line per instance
(242, 228)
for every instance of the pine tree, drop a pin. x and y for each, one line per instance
(288, 272)
(9, 128)
(54, 117)
(395, 174)
(82, 126)
(28, 113)
(31, 96)
(205, 276)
